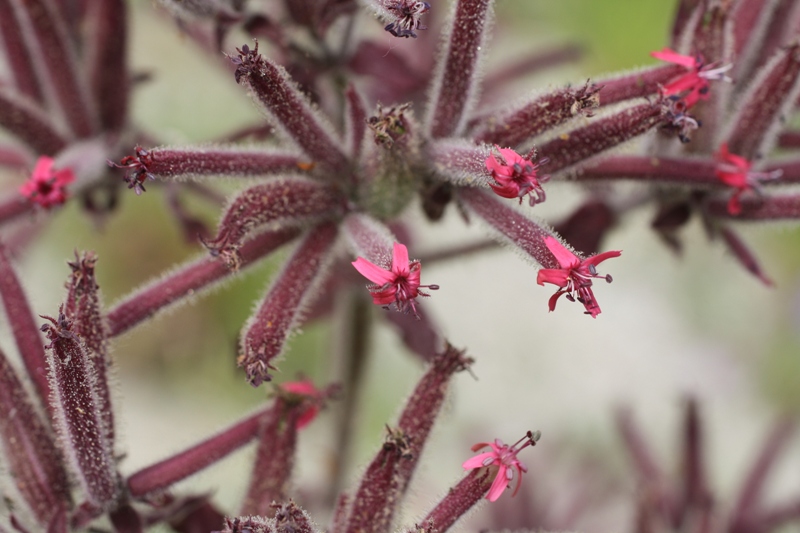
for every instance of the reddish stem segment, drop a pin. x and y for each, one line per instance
(458, 501)
(638, 84)
(182, 465)
(59, 59)
(601, 134)
(17, 53)
(28, 123)
(24, 328)
(188, 280)
(108, 62)
(518, 229)
(534, 117)
(272, 468)
(454, 87)
(695, 172)
(767, 208)
(30, 452)
(765, 106)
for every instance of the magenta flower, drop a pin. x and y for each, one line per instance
(47, 187)
(515, 176)
(574, 276)
(505, 458)
(398, 286)
(734, 170)
(307, 389)
(694, 84)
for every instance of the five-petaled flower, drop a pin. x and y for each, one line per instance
(573, 276)
(515, 176)
(734, 170)
(47, 187)
(398, 286)
(505, 458)
(694, 84)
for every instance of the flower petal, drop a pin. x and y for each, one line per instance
(373, 272)
(478, 460)
(42, 170)
(499, 485)
(400, 260)
(556, 276)
(551, 303)
(384, 295)
(599, 258)
(565, 258)
(671, 56)
(520, 469)
(724, 156)
(510, 156)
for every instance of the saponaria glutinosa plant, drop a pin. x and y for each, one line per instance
(708, 119)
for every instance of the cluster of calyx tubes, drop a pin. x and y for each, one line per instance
(335, 173)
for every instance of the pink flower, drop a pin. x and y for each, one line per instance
(305, 388)
(573, 276)
(505, 458)
(694, 84)
(47, 187)
(515, 176)
(734, 170)
(398, 286)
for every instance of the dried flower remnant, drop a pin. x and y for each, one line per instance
(136, 169)
(734, 170)
(574, 276)
(693, 85)
(680, 123)
(407, 15)
(505, 458)
(516, 176)
(47, 187)
(389, 125)
(398, 286)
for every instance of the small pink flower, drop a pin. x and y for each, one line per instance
(734, 170)
(515, 176)
(306, 388)
(505, 458)
(47, 187)
(573, 276)
(694, 84)
(398, 286)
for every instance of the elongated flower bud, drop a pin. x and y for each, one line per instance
(266, 333)
(389, 473)
(755, 127)
(455, 83)
(269, 478)
(81, 424)
(30, 453)
(289, 109)
(26, 334)
(283, 203)
(83, 309)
